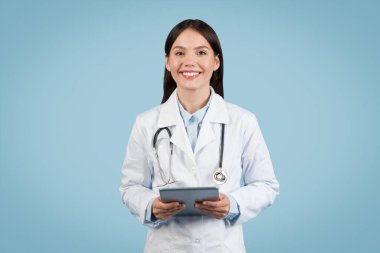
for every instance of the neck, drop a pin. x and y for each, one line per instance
(193, 100)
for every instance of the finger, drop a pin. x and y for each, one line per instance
(223, 201)
(161, 210)
(222, 196)
(161, 205)
(213, 206)
(210, 210)
(167, 214)
(170, 205)
(210, 204)
(212, 214)
(218, 203)
(171, 210)
(218, 211)
(179, 210)
(175, 208)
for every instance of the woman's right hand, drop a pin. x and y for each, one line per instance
(164, 211)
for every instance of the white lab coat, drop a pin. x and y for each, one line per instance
(245, 157)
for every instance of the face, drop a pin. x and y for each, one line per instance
(191, 61)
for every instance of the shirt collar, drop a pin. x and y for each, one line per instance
(197, 116)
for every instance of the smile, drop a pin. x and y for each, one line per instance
(190, 74)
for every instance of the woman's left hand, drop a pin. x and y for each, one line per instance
(216, 209)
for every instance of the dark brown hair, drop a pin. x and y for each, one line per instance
(210, 35)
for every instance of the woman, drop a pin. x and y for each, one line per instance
(196, 124)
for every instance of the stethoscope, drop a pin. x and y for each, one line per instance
(219, 176)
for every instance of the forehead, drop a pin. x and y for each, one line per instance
(190, 38)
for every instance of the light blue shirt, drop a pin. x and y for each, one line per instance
(193, 124)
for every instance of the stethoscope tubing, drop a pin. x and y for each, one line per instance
(219, 171)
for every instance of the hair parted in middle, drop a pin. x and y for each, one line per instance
(210, 35)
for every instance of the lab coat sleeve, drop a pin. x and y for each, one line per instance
(234, 209)
(136, 175)
(260, 184)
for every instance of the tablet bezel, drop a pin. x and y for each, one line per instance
(189, 196)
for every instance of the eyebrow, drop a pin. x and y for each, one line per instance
(199, 47)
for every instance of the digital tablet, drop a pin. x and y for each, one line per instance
(189, 196)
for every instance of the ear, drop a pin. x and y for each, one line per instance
(167, 63)
(217, 63)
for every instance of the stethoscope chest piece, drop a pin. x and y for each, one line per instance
(220, 177)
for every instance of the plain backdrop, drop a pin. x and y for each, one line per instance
(74, 75)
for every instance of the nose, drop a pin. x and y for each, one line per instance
(189, 64)
(189, 60)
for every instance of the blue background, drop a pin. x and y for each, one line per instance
(74, 75)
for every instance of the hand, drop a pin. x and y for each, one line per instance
(164, 211)
(216, 209)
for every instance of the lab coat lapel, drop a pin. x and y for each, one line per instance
(217, 113)
(180, 139)
(206, 135)
(170, 116)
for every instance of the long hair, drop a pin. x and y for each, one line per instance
(209, 34)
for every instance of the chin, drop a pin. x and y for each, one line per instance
(192, 86)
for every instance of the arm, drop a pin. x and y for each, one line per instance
(136, 175)
(136, 190)
(260, 184)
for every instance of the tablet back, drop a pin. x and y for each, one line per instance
(189, 196)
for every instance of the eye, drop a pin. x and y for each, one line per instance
(178, 53)
(202, 52)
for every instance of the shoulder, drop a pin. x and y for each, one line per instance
(148, 118)
(243, 123)
(149, 114)
(240, 115)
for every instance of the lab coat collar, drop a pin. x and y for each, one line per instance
(170, 115)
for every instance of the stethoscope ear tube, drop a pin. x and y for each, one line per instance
(158, 132)
(170, 178)
(220, 176)
(221, 149)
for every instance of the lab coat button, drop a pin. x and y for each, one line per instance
(197, 241)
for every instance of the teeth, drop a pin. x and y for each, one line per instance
(190, 73)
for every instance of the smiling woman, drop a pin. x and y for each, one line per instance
(190, 149)
(181, 38)
(191, 62)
